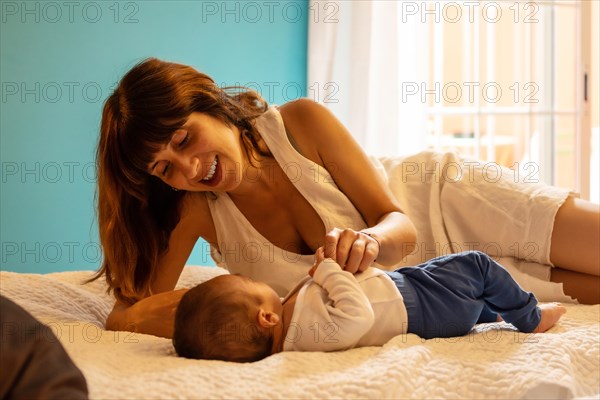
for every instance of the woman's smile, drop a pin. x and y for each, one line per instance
(199, 155)
(214, 174)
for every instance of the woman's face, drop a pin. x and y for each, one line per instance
(204, 155)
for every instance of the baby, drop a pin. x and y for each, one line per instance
(234, 318)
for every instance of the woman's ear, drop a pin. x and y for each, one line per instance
(267, 319)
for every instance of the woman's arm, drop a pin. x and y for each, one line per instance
(155, 314)
(322, 138)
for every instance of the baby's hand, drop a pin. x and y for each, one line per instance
(319, 256)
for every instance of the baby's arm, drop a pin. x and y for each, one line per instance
(348, 310)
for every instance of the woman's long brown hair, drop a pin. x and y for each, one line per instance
(136, 211)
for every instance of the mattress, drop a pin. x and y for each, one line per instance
(493, 361)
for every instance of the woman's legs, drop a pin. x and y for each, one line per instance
(575, 249)
(584, 287)
(576, 237)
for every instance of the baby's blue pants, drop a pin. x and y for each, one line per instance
(448, 295)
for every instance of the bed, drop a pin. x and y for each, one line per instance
(493, 361)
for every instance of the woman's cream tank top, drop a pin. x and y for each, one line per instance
(243, 250)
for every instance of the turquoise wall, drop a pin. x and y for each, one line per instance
(59, 62)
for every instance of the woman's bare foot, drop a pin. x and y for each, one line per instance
(551, 313)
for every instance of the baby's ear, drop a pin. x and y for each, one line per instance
(267, 319)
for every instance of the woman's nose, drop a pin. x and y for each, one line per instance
(192, 168)
(188, 165)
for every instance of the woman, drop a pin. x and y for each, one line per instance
(181, 159)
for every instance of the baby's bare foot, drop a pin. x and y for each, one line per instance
(551, 313)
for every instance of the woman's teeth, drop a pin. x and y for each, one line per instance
(211, 172)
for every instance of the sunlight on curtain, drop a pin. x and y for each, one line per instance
(497, 81)
(361, 61)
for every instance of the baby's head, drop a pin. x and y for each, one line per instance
(230, 317)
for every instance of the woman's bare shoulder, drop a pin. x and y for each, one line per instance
(304, 113)
(318, 132)
(301, 104)
(302, 119)
(317, 129)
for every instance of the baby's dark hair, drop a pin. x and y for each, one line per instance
(216, 320)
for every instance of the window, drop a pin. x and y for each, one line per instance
(505, 81)
(508, 83)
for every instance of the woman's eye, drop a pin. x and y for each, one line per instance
(184, 141)
(180, 138)
(164, 172)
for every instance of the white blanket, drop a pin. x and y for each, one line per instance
(460, 204)
(494, 361)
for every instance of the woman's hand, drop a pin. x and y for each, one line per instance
(353, 250)
(154, 315)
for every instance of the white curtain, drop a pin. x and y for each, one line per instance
(365, 61)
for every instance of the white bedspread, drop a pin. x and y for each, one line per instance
(458, 204)
(494, 361)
